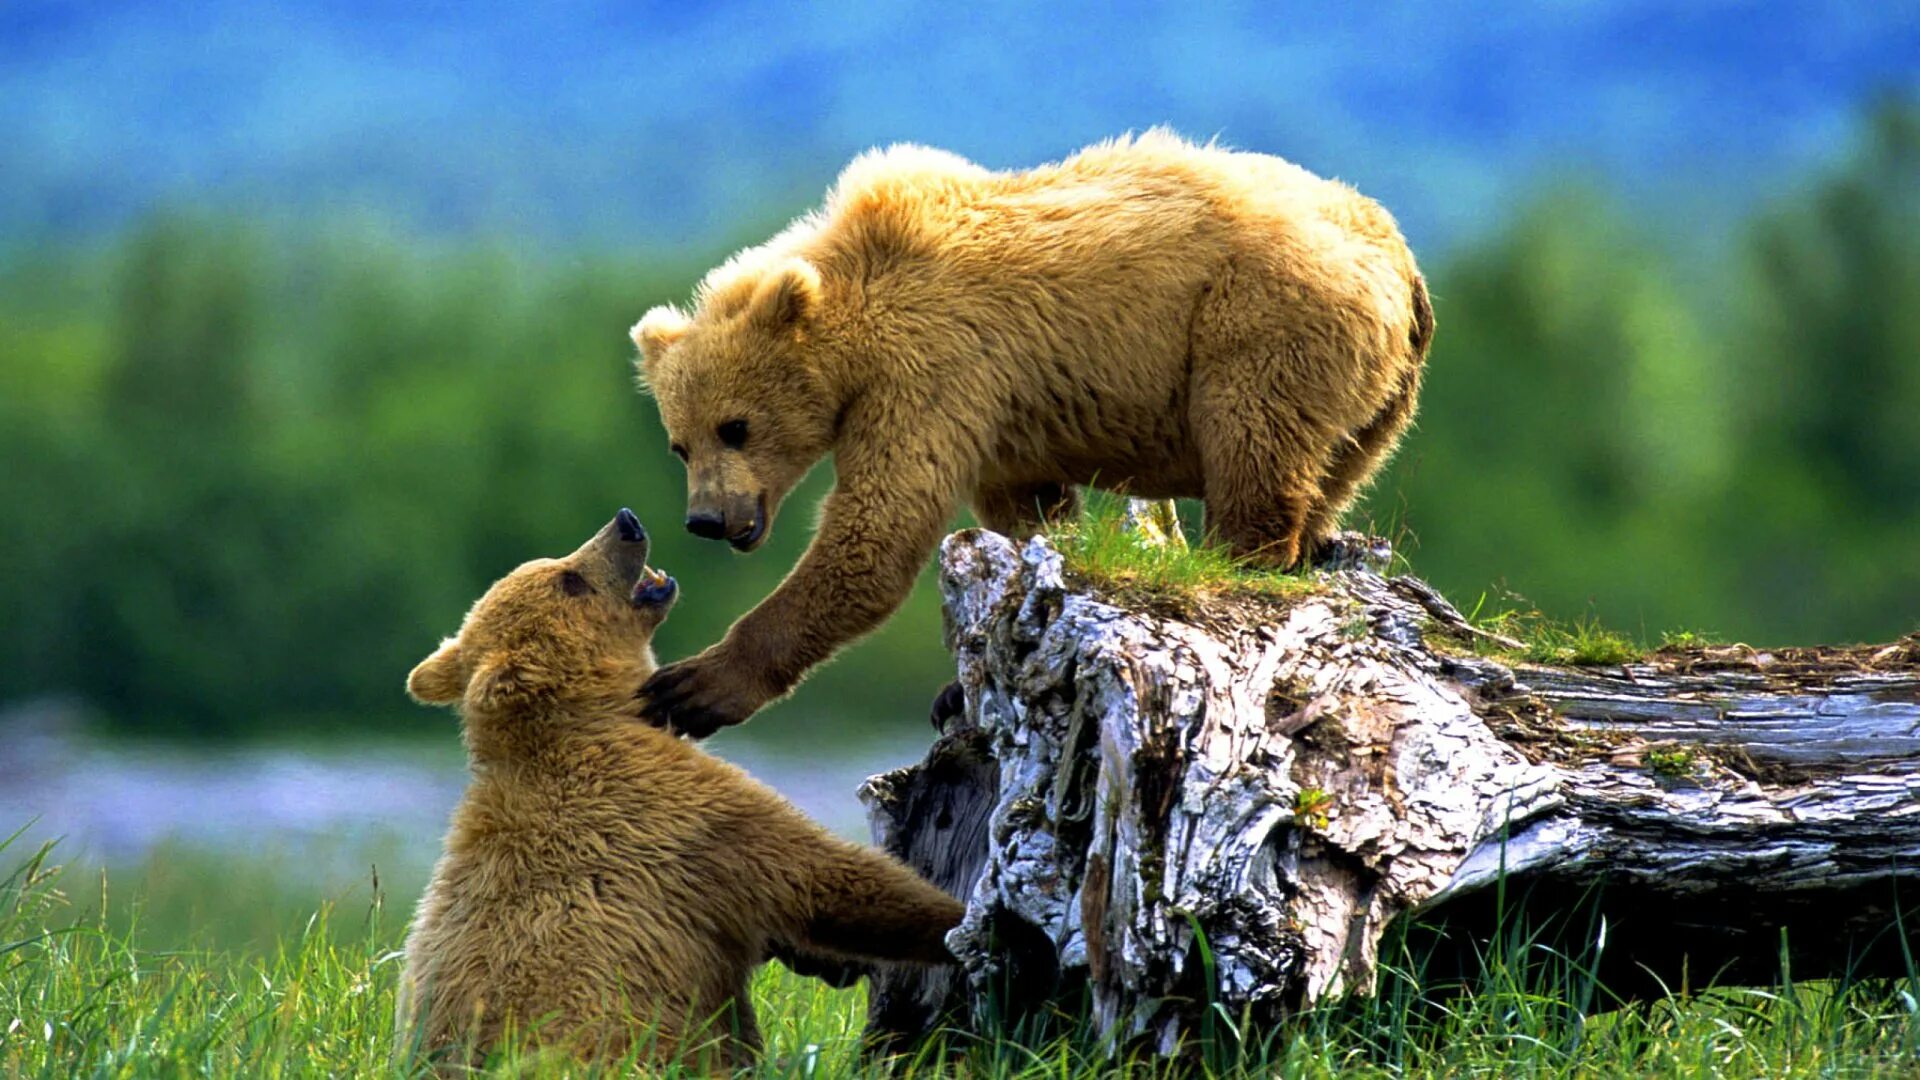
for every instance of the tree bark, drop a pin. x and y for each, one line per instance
(1159, 810)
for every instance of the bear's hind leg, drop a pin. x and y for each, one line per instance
(1358, 457)
(724, 1040)
(742, 1048)
(1262, 473)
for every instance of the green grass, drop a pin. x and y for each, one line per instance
(1688, 639)
(188, 898)
(1582, 641)
(1546, 640)
(1099, 548)
(1674, 762)
(93, 991)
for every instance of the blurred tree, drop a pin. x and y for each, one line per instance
(254, 474)
(1834, 331)
(185, 535)
(1830, 395)
(1591, 439)
(1569, 424)
(284, 467)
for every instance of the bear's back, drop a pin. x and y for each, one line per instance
(1155, 201)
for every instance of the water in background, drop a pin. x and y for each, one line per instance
(326, 811)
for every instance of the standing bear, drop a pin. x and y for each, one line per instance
(1159, 318)
(607, 887)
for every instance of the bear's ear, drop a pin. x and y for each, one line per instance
(497, 682)
(783, 300)
(438, 680)
(657, 330)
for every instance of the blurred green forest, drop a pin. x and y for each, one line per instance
(254, 472)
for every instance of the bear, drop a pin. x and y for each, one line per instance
(1150, 315)
(607, 887)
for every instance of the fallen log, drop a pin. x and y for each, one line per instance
(1159, 810)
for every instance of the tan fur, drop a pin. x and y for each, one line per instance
(604, 881)
(1149, 315)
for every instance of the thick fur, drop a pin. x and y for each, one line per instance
(603, 881)
(1149, 315)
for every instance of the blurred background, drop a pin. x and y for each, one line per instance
(313, 323)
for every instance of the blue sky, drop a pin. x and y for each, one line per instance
(672, 125)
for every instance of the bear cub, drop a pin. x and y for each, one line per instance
(606, 887)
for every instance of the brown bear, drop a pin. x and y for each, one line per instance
(607, 887)
(1157, 317)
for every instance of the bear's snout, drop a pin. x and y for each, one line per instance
(616, 557)
(628, 528)
(707, 525)
(749, 538)
(740, 520)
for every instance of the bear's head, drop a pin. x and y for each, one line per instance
(740, 392)
(570, 636)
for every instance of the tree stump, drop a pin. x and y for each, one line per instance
(1153, 812)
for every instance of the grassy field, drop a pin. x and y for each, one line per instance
(235, 964)
(171, 976)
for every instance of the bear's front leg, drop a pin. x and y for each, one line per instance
(876, 532)
(1017, 511)
(702, 694)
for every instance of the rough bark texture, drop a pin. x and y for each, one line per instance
(1288, 776)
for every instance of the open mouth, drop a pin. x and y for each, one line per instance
(654, 588)
(748, 539)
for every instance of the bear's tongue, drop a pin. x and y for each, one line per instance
(649, 578)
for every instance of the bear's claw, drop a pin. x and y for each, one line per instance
(697, 723)
(670, 701)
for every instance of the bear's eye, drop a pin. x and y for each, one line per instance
(733, 433)
(679, 451)
(573, 584)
